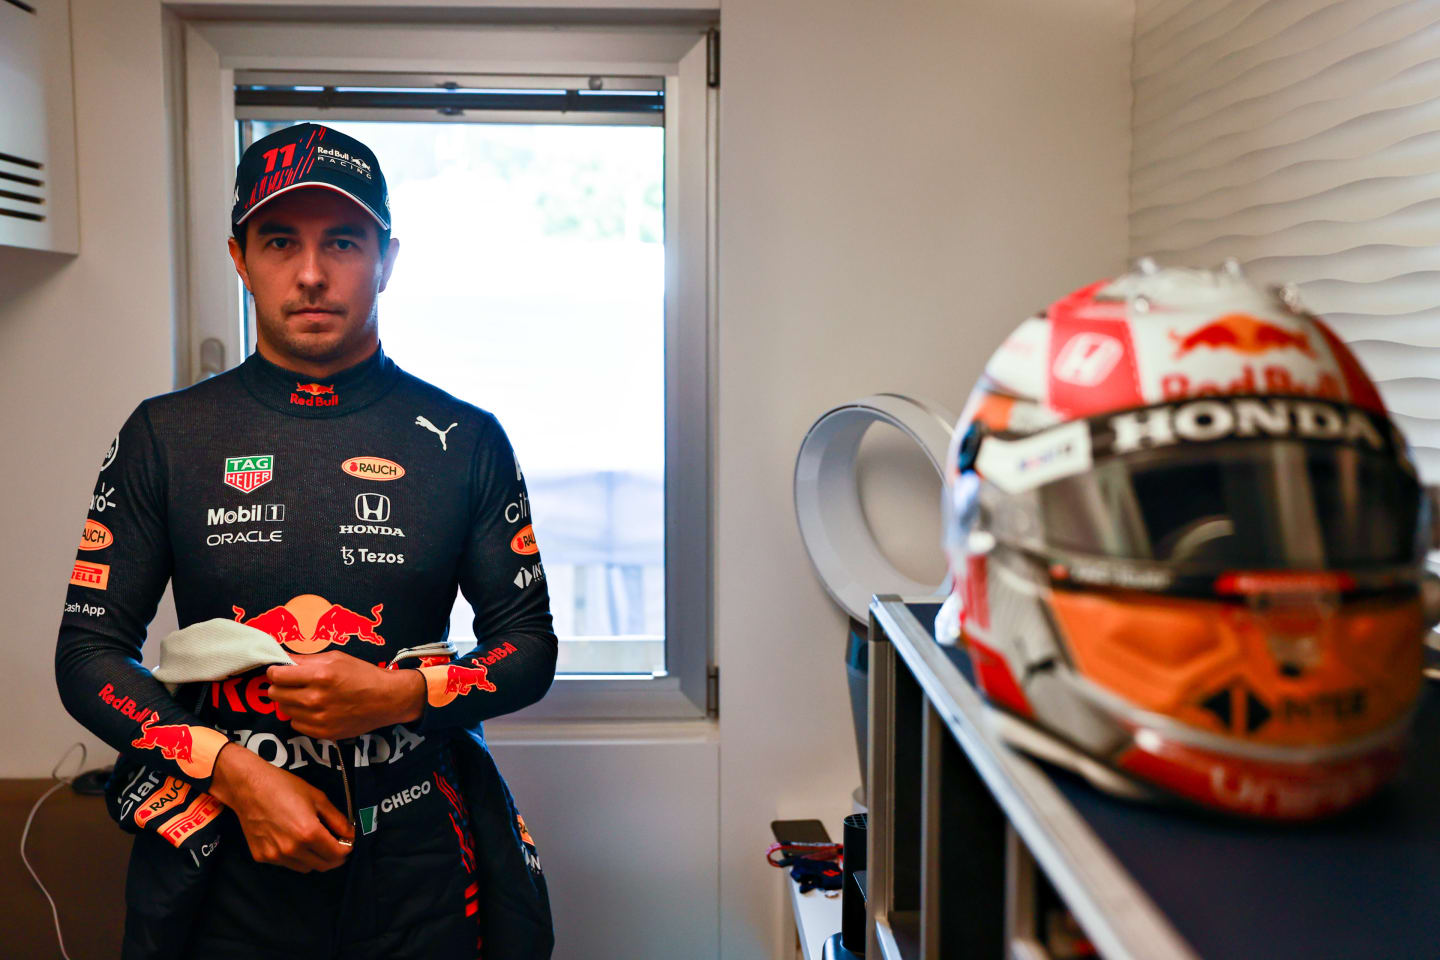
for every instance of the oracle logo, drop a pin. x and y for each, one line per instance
(372, 468)
(96, 536)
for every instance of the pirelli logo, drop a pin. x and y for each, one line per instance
(93, 575)
(200, 812)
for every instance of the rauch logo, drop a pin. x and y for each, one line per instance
(372, 468)
(96, 536)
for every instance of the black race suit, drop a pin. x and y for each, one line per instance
(334, 514)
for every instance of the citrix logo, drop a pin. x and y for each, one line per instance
(517, 510)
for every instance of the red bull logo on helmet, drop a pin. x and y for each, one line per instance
(1242, 353)
(309, 623)
(1241, 333)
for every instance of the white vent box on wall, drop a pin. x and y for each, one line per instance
(37, 128)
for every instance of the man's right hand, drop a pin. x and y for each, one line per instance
(287, 822)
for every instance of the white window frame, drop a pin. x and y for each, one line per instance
(204, 57)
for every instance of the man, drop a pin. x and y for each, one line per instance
(320, 494)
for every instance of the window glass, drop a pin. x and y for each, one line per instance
(531, 283)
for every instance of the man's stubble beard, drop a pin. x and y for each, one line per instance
(313, 348)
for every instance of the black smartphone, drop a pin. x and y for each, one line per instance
(799, 831)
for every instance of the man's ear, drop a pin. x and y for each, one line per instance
(238, 256)
(387, 263)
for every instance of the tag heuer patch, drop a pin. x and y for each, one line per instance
(249, 473)
(367, 820)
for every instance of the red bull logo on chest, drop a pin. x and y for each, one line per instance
(309, 623)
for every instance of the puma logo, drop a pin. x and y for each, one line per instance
(422, 422)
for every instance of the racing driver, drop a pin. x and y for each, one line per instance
(320, 494)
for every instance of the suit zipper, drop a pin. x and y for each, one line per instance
(349, 801)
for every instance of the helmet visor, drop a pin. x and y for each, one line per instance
(1246, 504)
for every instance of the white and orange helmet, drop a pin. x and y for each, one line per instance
(1188, 545)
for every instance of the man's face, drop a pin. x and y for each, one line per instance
(313, 264)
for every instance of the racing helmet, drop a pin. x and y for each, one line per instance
(1187, 548)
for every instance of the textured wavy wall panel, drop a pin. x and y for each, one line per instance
(1303, 138)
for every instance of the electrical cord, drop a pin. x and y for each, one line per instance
(86, 780)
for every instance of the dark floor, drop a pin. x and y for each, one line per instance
(80, 854)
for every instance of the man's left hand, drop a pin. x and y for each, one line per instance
(334, 695)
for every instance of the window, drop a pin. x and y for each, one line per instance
(553, 270)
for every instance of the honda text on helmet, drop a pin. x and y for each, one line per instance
(1186, 543)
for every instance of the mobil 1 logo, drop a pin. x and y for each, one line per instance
(258, 513)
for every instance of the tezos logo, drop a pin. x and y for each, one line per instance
(110, 454)
(348, 555)
(372, 468)
(248, 474)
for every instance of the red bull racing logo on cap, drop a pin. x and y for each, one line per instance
(315, 395)
(248, 474)
(309, 623)
(1242, 333)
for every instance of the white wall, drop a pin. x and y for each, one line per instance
(1310, 157)
(900, 183)
(82, 340)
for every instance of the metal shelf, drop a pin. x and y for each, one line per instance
(963, 829)
(911, 673)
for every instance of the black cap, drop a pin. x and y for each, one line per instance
(309, 155)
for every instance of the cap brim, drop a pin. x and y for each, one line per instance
(384, 223)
